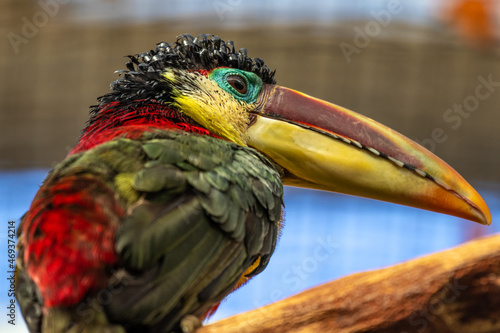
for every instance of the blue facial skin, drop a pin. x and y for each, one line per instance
(254, 83)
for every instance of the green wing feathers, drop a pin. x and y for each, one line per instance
(199, 212)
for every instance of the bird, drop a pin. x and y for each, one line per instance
(172, 198)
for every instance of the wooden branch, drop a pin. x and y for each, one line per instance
(452, 291)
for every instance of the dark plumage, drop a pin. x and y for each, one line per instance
(191, 214)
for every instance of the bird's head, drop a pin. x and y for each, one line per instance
(206, 82)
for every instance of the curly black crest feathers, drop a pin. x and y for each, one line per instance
(202, 52)
(141, 80)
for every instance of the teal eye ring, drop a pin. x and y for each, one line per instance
(243, 85)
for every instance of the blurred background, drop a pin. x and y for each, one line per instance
(428, 68)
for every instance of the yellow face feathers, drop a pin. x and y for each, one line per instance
(205, 102)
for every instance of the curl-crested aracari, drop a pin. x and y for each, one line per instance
(172, 197)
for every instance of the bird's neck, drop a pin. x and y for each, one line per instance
(131, 121)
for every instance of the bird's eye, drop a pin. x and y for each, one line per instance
(238, 83)
(242, 85)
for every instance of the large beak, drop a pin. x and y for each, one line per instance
(327, 147)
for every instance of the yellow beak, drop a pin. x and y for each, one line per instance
(327, 147)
